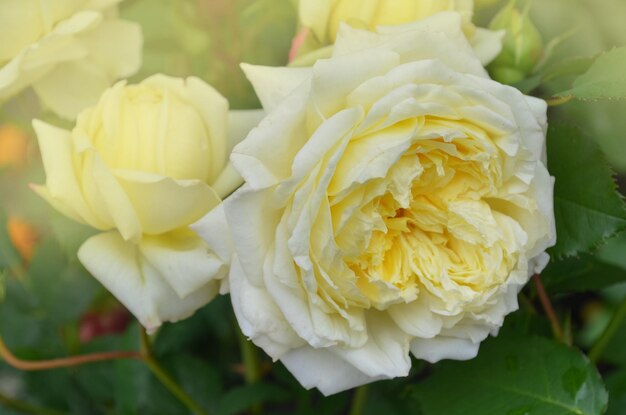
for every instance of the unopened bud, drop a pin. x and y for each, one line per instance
(522, 47)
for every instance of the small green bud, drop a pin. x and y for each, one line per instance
(522, 47)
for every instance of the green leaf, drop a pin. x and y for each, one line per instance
(585, 273)
(606, 78)
(616, 384)
(587, 207)
(63, 291)
(557, 76)
(240, 399)
(9, 257)
(515, 376)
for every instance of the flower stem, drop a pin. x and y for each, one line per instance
(165, 378)
(251, 364)
(250, 356)
(20, 364)
(26, 408)
(547, 306)
(358, 401)
(608, 333)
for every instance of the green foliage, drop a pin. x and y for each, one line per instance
(210, 39)
(557, 76)
(606, 78)
(587, 207)
(617, 390)
(584, 273)
(515, 376)
(9, 257)
(238, 400)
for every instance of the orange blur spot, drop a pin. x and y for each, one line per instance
(24, 237)
(13, 146)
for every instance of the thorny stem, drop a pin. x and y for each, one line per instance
(165, 378)
(547, 307)
(65, 362)
(608, 333)
(146, 356)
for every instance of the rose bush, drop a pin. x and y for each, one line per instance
(70, 51)
(145, 163)
(397, 200)
(321, 20)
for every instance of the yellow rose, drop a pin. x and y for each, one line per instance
(143, 164)
(322, 19)
(69, 51)
(396, 201)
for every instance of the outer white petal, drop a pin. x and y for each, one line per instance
(487, 44)
(95, 53)
(184, 260)
(284, 128)
(115, 46)
(334, 79)
(258, 316)
(240, 123)
(324, 370)
(71, 87)
(213, 229)
(273, 84)
(137, 283)
(528, 114)
(163, 204)
(416, 318)
(386, 352)
(298, 303)
(542, 190)
(437, 37)
(213, 107)
(438, 348)
(62, 188)
(36, 60)
(228, 181)
(252, 220)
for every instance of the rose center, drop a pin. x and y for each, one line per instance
(436, 232)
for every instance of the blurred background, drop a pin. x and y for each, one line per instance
(50, 306)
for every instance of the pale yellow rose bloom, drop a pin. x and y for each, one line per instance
(68, 51)
(142, 165)
(324, 17)
(396, 202)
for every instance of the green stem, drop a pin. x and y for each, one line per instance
(165, 378)
(608, 333)
(251, 361)
(251, 364)
(26, 408)
(359, 400)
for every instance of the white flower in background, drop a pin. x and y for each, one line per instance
(69, 51)
(321, 20)
(144, 164)
(397, 200)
